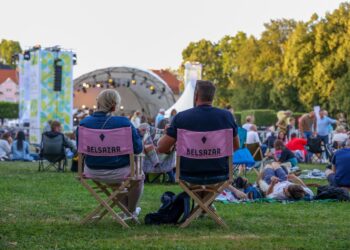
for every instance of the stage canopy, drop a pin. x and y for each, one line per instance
(140, 89)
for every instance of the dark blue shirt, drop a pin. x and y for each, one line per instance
(96, 121)
(341, 160)
(203, 118)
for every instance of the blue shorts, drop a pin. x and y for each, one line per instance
(279, 173)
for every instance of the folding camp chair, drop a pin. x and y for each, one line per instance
(204, 145)
(316, 147)
(108, 142)
(52, 153)
(255, 150)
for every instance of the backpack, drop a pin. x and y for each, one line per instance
(314, 145)
(172, 208)
(329, 192)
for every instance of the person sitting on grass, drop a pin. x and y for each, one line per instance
(339, 174)
(297, 146)
(276, 183)
(283, 154)
(20, 149)
(5, 147)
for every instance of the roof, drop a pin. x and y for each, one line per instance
(8, 73)
(169, 78)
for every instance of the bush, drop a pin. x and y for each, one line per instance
(238, 116)
(263, 117)
(8, 110)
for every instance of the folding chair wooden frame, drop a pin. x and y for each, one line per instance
(255, 150)
(113, 192)
(210, 191)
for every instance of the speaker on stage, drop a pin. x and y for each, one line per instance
(58, 75)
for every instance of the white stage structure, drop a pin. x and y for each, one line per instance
(193, 72)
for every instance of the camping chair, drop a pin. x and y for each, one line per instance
(316, 147)
(202, 146)
(255, 150)
(242, 159)
(242, 133)
(52, 153)
(108, 142)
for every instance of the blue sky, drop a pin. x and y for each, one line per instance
(146, 34)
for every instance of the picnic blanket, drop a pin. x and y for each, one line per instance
(227, 197)
(313, 174)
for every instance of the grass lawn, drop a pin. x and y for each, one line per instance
(43, 210)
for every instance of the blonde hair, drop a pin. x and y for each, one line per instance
(107, 99)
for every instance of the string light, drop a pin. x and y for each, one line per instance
(98, 85)
(83, 106)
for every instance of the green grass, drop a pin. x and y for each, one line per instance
(43, 210)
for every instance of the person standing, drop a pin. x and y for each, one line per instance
(283, 120)
(323, 124)
(249, 122)
(307, 125)
(159, 117)
(136, 119)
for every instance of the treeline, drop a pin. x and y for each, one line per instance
(293, 65)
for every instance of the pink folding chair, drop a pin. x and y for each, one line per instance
(108, 142)
(204, 145)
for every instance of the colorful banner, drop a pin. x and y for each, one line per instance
(39, 103)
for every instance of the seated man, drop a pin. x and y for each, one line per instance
(277, 184)
(339, 175)
(112, 169)
(252, 135)
(54, 142)
(203, 117)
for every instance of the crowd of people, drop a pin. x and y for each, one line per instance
(284, 144)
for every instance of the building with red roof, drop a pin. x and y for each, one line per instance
(170, 79)
(9, 91)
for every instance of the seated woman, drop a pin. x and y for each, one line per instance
(112, 169)
(277, 184)
(20, 149)
(283, 154)
(155, 162)
(339, 138)
(5, 147)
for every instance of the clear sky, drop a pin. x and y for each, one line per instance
(142, 33)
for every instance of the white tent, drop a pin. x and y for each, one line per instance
(193, 72)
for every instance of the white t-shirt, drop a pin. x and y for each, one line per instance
(247, 126)
(279, 194)
(340, 137)
(136, 121)
(5, 148)
(252, 137)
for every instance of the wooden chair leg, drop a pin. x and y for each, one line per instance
(104, 203)
(203, 204)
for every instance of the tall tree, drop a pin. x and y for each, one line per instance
(8, 48)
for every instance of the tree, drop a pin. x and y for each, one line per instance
(8, 110)
(8, 48)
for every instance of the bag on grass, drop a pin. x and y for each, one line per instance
(334, 193)
(172, 208)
